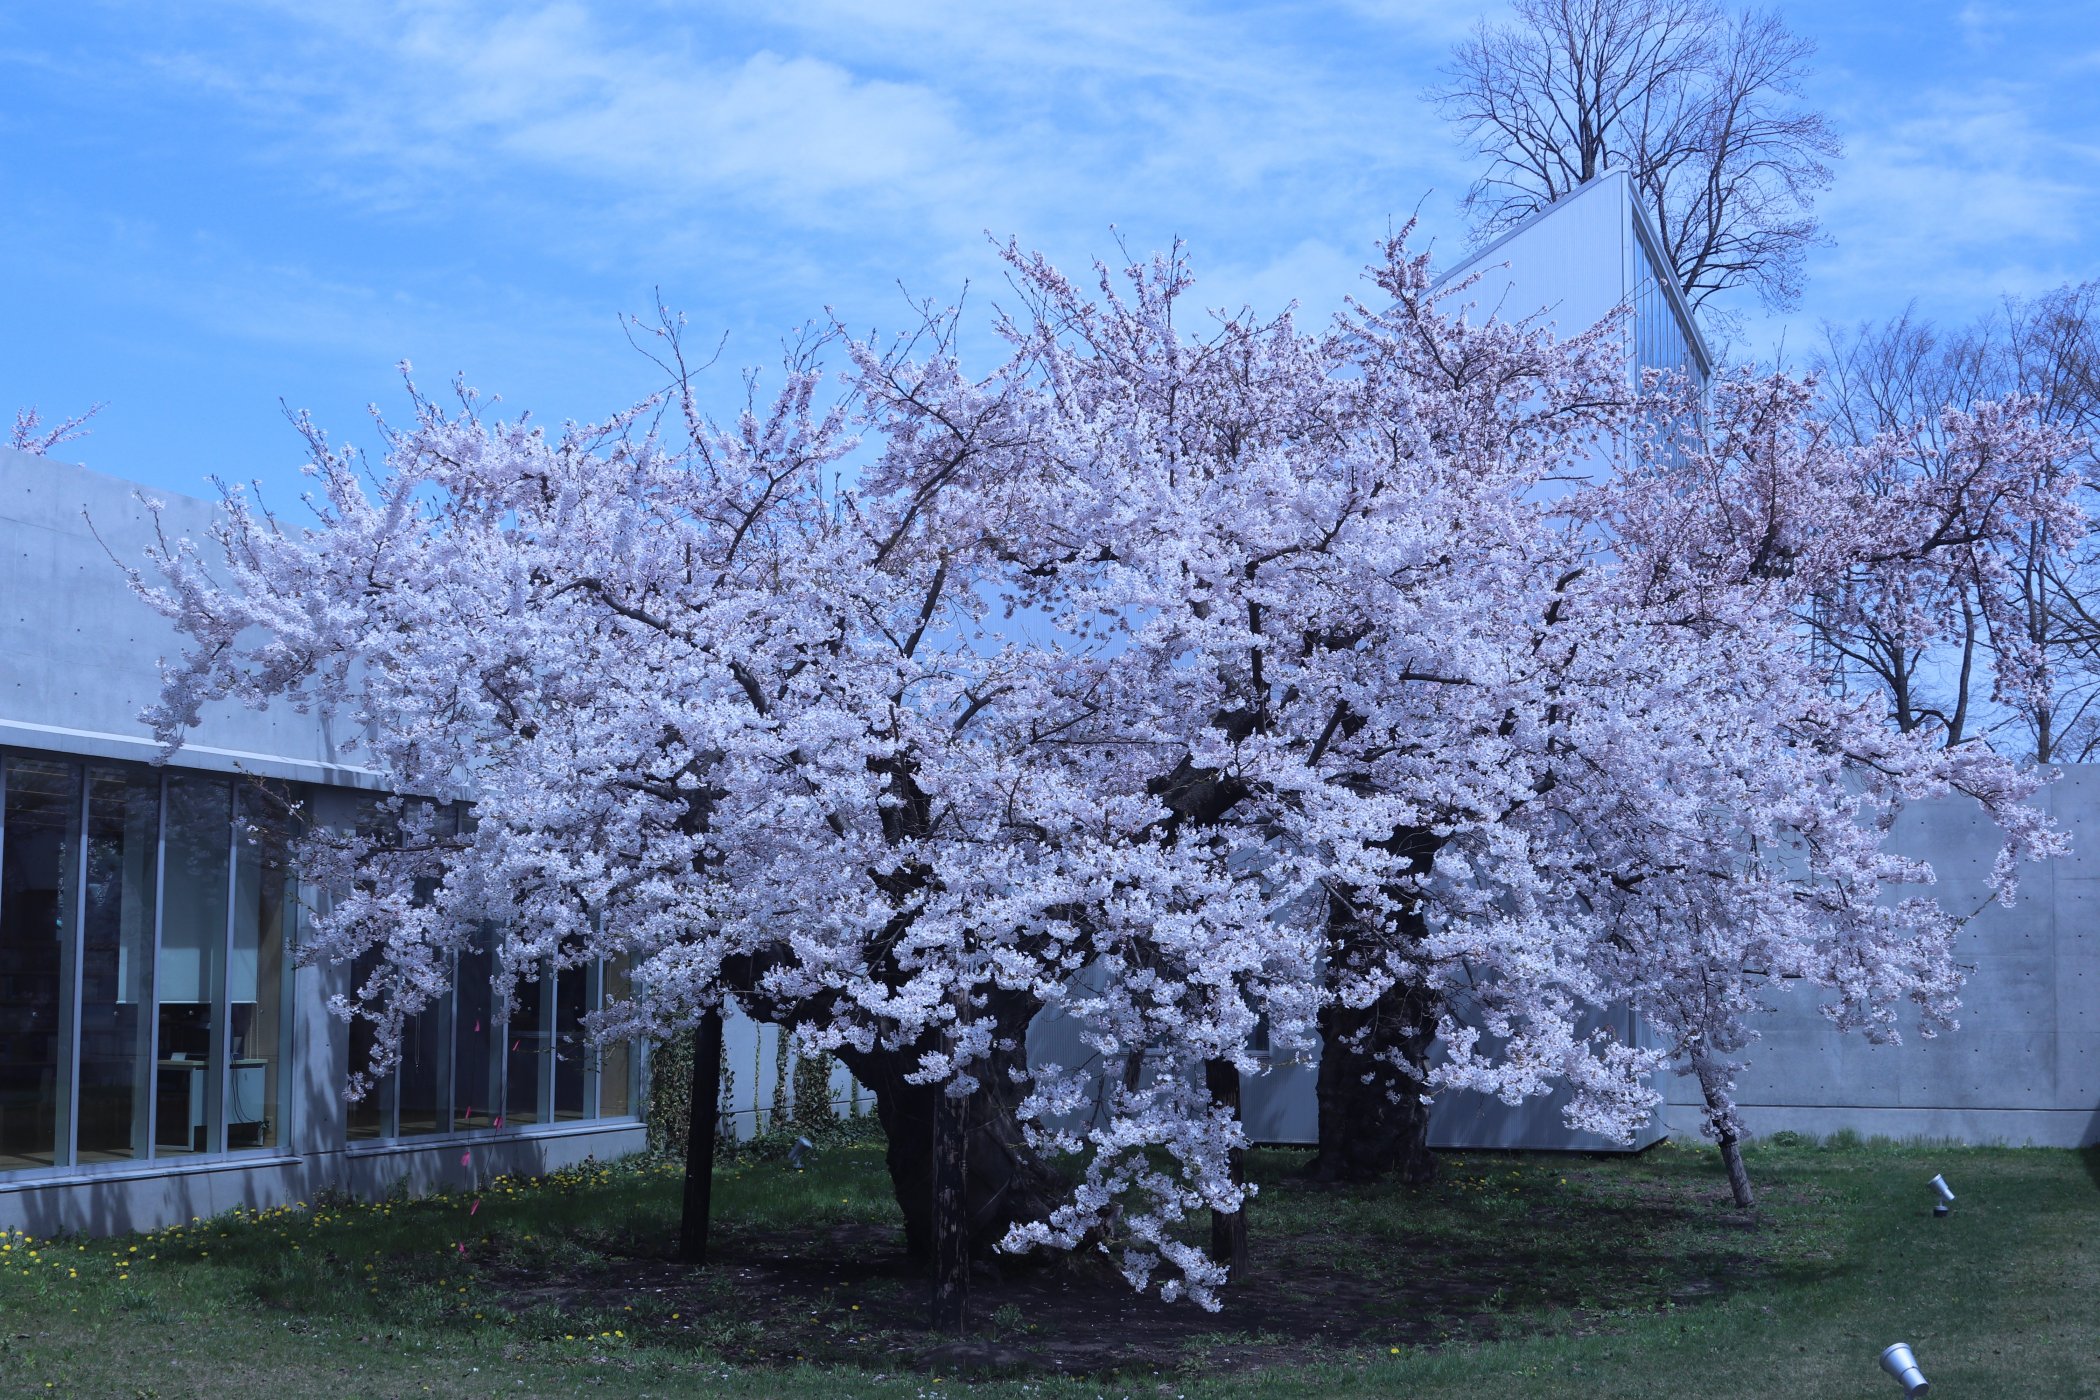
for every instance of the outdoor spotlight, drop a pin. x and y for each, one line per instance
(798, 1154)
(1946, 1192)
(1898, 1362)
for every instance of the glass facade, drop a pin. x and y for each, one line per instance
(147, 924)
(465, 1068)
(39, 881)
(144, 974)
(1659, 339)
(116, 972)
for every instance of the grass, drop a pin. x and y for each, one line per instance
(1513, 1276)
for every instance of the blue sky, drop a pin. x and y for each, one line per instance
(209, 208)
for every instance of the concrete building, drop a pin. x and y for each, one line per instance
(161, 1055)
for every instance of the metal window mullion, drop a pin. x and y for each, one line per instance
(550, 1006)
(149, 999)
(220, 1075)
(66, 1131)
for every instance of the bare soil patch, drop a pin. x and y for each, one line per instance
(1336, 1272)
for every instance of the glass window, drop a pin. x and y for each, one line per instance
(116, 973)
(616, 1058)
(366, 1117)
(192, 963)
(264, 901)
(474, 1041)
(527, 1039)
(39, 848)
(572, 988)
(420, 1082)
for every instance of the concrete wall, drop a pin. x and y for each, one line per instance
(79, 652)
(2024, 1067)
(1569, 265)
(1573, 263)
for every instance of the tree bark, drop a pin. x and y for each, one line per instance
(1004, 1181)
(1716, 1086)
(703, 1114)
(1228, 1229)
(1373, 1122)
(951, 1214)
(1738, 1175)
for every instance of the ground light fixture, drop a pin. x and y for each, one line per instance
(798, 1154)
(1897, 1360)
(1946, 1196)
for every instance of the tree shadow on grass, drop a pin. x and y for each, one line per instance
(1498, 1249)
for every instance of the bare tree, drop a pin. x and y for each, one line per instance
(1701, 109)
(2034, 611)
(1884, 381)
(2049, 349)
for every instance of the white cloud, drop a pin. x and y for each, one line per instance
(942, 115)
(1956, 195)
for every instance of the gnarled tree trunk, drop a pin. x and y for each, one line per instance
(1004, 1181)
(1373, 1122)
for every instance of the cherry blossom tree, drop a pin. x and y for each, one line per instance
(1401, 686)
(1753, 855)
(683, 680)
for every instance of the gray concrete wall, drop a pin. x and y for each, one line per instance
(2024, 1067)
(79, 652)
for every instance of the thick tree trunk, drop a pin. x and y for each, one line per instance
(951, 1214)
(704, 1113)
(1004, 1181)
(1373, 1122)
(1228, 1229)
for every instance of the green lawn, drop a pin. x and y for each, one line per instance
(1513, 1276)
